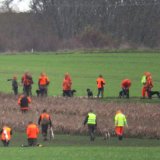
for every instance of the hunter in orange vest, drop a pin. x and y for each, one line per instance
(125, 84)
(23, 102)
(32, 132)
(147, 84)
(6, 133)
(43, 83)
(45, 121)
(100, 85)
(27, 82)
(67, 84)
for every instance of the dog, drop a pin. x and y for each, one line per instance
(73, 92)
(38, 92)
(151, 93)
(107, 135)
(89, 93)
(69, 93)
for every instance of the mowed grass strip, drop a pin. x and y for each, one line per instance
(80, 153)
(84, 69)
(71, 147)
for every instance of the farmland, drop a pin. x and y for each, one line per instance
(84, 69)
(78, 147)
(71, 141)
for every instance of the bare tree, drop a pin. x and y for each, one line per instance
(6, 5)
(54, 24)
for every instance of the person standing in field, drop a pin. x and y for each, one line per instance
(43, 83)
(44, 121)
(67, 84)
(27, 82)
(32, 132)
(147, 84)
(91, 121)
(23, 102)
(14, 85)
(6, 133)
(100, 85)
(126, 83)
(120, 121)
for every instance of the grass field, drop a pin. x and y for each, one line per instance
(71, 147)
(84, 69)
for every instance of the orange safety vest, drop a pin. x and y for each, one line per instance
(66, 84)
(100, 82)
(44, 115)
(32, 131)
(43, 80)
(6, 133)
(27, 80)
(126, 83)
(149, 82)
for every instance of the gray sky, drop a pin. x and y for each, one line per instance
(20, 6)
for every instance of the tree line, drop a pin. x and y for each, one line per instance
(69, 24)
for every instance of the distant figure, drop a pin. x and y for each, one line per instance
(45, 121)
(126, 83)
(32, 132)
(120, 121)
(14, 85)
(67, 85)
(91, 120)
(43, 83)
(6, 133)
(24, 101)
(27, 82)
(147, 84)
(100, 85)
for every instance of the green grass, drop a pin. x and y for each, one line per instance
(80, 153)
(84, 69)
(71, 147)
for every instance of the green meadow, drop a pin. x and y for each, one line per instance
(71, 147)
(84, 68)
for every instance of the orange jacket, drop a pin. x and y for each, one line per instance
(27, 80)
(45, 116)
(126, 83)
(149, 82)
(32, 131)
(100, 82)
(43, 80)
(6, 133)
(66, 84)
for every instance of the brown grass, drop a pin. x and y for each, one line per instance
(68, 115)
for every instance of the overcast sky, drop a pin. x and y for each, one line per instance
(20, 6)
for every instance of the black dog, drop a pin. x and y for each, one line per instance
(151, 93)
(73, 92)
(89, 93)
(38, 92)
(69, 93)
